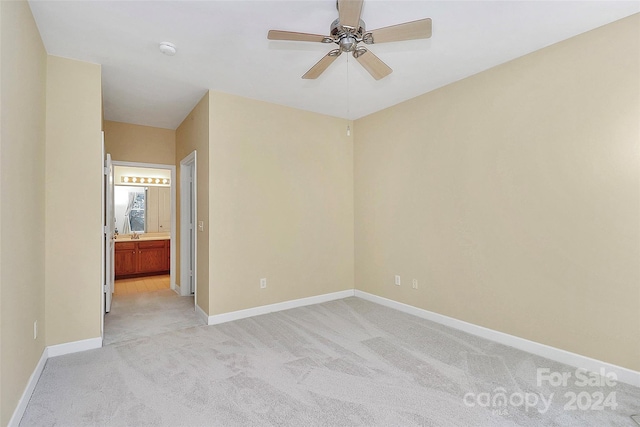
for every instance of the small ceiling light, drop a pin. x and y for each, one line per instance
(167, 48)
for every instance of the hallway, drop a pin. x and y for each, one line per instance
(145, 307)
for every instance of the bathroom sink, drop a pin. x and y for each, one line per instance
(143, 237)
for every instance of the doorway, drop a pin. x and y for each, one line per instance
(145, 218)
(146, 298)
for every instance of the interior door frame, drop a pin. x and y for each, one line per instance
(189, 162)
(173, 208)
(104, 241)
(109, 236)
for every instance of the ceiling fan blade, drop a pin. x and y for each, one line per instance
(420, 29)
(315, 71)
(372, 63)
(349, 11)
(300, 37)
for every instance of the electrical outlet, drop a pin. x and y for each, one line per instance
(35, 329)
(397, 280)
(415, 284)
(263, 283)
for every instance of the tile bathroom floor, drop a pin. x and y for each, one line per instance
(141, 284)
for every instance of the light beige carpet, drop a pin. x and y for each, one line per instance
(148, 313)
(342, 363)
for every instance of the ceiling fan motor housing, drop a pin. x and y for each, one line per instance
(346, 37)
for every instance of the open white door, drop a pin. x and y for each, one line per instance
(109, 235)
(188, 221)
(192, 230)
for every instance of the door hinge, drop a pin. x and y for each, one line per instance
(105, 170)
(104, 229)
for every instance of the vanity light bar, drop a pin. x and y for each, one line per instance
(144, 180)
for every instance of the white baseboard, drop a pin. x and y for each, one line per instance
(28, 391)
(50, 351)
(572, 359)
(74, 347)
(286, 305)
(624, 375)
(176, 289)
(202, 315)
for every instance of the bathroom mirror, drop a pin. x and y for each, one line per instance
(130, 209)
(142, 209)
(142, 200)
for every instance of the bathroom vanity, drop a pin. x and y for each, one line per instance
(145, 256)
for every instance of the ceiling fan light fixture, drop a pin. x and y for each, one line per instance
(167, 48)
(348, 43)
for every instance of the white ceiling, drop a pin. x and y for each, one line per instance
(223, 46)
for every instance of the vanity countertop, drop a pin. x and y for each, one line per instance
(144, 237)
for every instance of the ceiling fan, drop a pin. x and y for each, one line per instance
(349, 30)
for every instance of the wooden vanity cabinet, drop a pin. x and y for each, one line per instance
(152, 256)
(168, 257)
(125, 258)
(142, 258)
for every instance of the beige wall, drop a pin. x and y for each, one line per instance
(513, 197)
(193, 134)
(280, 204)
(22, 189)
(144, 144)
(73, 179)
